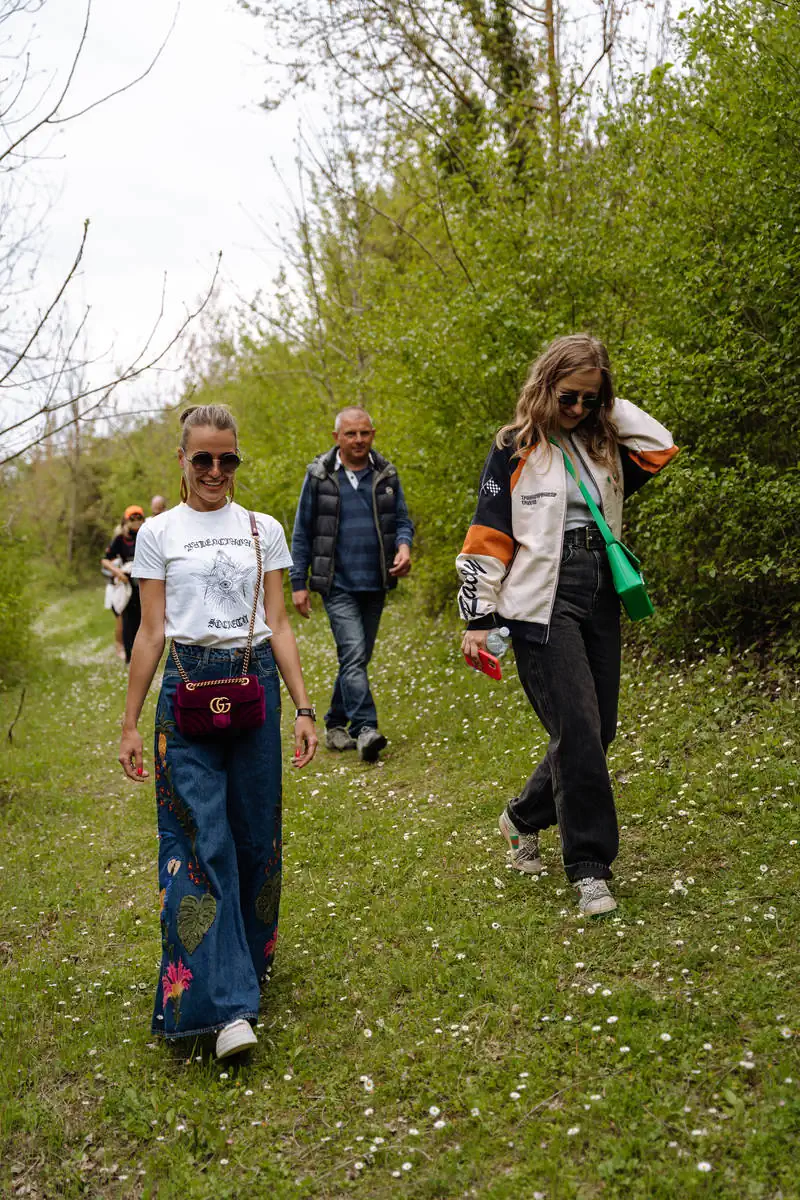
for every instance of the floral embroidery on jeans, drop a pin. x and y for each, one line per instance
(269, 948)
(174, 983)
(166, 795)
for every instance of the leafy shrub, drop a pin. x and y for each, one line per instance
(16, 610)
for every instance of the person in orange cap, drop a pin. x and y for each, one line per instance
(119, 560)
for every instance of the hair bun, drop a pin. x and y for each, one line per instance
(187, 412)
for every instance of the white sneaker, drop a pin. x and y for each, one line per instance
(235, 1038)
(370, 743)
(595, 898)
(524, 847)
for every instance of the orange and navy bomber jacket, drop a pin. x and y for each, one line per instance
(511, 557)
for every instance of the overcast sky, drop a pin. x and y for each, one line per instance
(181, 166)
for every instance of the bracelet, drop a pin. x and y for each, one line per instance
(305, 712)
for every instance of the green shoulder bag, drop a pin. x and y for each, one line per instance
(629, 582)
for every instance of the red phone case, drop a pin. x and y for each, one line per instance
(488, 664)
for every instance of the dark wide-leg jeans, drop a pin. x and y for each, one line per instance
(354, 618)
(219, 858)
(572, 681)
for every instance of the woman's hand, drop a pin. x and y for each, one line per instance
(305, 741)
(473, 641)
(131, 755)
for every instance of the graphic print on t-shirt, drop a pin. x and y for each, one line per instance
(225, 582)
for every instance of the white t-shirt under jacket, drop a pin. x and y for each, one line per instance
(208, 563)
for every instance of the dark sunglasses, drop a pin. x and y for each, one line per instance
(589, 400)
(135, 517)
(203, 461)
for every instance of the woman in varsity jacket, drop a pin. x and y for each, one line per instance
(534, 561)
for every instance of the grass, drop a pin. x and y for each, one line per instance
(437, 1025)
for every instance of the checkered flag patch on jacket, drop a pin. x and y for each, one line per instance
(490, 487)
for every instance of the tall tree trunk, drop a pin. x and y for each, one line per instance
(550, 18)
(74, 471)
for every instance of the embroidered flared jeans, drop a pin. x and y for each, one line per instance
(572, 681)
(219, 859)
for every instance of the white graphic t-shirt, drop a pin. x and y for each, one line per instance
(208, 562)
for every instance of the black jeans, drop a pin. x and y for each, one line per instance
(572, 681)
(131, 619)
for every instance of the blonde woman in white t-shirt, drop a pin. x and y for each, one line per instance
(218, 794)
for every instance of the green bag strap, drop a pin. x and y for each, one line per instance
(600, 521)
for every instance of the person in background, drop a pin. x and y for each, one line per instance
(111, 579)
(535, 562)
(353, 533)
(119, 560)
(158, 505)
(218, 792)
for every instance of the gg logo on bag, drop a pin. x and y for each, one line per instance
(220, 704)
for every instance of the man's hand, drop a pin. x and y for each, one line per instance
(302, 602)
(402, 561)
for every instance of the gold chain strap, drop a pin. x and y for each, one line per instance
(242, 679)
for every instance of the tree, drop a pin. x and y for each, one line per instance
(39, 359)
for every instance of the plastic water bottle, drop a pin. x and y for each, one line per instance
(497, 641)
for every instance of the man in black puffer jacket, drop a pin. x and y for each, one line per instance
(353, 533)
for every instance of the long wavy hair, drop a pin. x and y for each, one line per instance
(536, 418)
(196, 415)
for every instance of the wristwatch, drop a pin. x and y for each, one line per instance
(306, 712)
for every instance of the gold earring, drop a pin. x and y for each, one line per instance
(184, 489)
(233, 487)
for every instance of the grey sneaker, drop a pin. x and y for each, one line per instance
(337, 738)
(595, 898)
(524, 847)
(370, 743)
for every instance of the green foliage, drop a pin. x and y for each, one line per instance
(16, 609)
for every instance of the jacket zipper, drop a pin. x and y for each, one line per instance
(383, 474)
(561, 544)
(335, 481)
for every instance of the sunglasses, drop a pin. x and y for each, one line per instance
(136, 517)
(203, 461)
(589, 400)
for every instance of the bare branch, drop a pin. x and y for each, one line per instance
(51, 118)
(106, 390)
(54, 303)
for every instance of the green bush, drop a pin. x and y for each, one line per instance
(16, 610)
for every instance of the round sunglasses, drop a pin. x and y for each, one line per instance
(203, 461)
(589, 400)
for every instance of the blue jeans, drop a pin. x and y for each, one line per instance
(219, 857)
(354, 618)
(572, 681)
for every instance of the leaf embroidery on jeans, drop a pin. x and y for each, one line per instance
(195, 918)
(268, 899)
